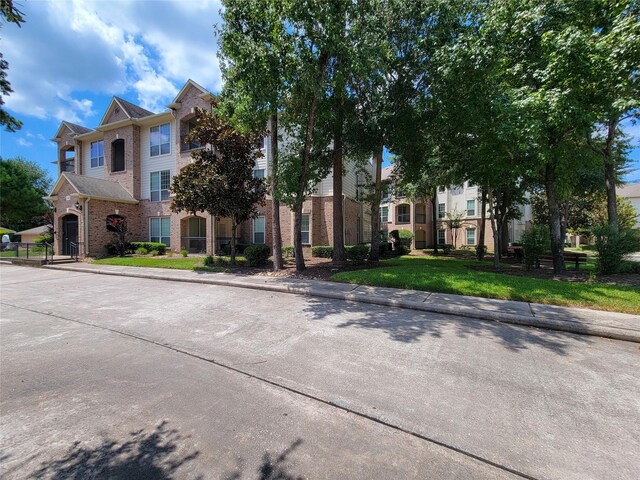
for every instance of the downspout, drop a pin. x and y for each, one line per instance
(85, 210)
(213, 235)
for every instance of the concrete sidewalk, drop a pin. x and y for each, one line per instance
(618, 326)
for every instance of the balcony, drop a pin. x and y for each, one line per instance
(188, 146)
(194, 244)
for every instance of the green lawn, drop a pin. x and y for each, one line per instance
(450, 275)
(179, 263)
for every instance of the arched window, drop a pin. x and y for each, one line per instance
(117, 155)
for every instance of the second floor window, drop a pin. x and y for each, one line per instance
(403, 215)
(160, 182)
(160, 140)
(441, 210)
(258, 173)
(384, 214)
(97, 154)
(471, 208)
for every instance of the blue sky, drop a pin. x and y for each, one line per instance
(71, 56)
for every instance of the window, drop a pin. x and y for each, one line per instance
(441, 189)
(159, 230)
(441, 210)
(160, 182)
(384, 214)
(441, 237)
(97, 154)
(471, 236)
(117, 156)
(471, 208)
(159, 140)
(265, 143)
(403, 214)
(194, 144)
(258, 230)
(305, 229)
(258, 173)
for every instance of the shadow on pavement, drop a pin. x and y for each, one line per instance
(409, 326)
(143, 456)
(271, 468)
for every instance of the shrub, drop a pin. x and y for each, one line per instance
(161, 248)
(119, 248)
(613, 247)
(208, 261)
(322, 251)
(153, 253)
(357, 253)
(257, 254)
(481, 251)
(240, 247)
(401, 240)
(141, 251)
(184, 252)
(447, 248)
(44, 238)
(288, 251)
(536, 242)
(217, 260)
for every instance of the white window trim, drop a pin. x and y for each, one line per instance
(310, 239)
(474, 208)
(264, 232)
(408, 214)
(444, 211)
(91, 157)
(160, 154)
(160, 183)
(467, 236)
(160, 236)
(444, 236)
(264, 172)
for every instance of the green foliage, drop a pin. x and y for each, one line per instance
(288, 251)
(220, 182)
(208, 261)
(612, 247)
(45, 238)
(22, 185)
(161, 248)
(447, 248)
(401, 240)
(153, 253)
(257, 254)
(10, 14)
(117, 247)
(322, 251)
(536, 242)
(240, 248)
(357, 254)
(141, 251)
(184, 252)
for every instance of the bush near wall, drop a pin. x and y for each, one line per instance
(240, 248)
(161, 248)
(401, 240)
(322, 251)
(358, 253)
(288, 251)
(257, 255)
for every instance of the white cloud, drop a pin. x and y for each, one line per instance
(69, 52)
(23, 143)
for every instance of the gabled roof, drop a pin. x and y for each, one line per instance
(89, 187)
(204, 93)
(35, 230)
(629, 191)
(129, 109)
(73, 128)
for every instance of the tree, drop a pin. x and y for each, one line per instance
(255, 57)
(23, 183)
(454, 221)
(10, 14)
(220, 180)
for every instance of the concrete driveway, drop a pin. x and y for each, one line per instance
(133, 378)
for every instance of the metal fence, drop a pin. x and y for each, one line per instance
(35, 251)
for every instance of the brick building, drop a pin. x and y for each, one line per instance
(124, 167)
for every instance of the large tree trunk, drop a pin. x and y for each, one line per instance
(610, 177)
(275, 203)
(297, 238)
(494, 229)
(483, 224)
(339, 255)
(555, 228)
(374, 254)
(434, 219)
(234, 227)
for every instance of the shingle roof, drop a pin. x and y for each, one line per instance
(96, 188)
(631, 190)
(77, 129)
(36, 230)
(133, 111)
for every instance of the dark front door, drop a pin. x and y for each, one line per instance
(69, 233)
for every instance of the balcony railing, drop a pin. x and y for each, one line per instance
(194, 244)
(34, 251)
(421, 218)
(188, 146)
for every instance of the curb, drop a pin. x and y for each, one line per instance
(569, 326)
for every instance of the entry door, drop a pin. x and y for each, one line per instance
(69, 233)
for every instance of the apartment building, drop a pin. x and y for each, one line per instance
(123, 168)
(460, 201)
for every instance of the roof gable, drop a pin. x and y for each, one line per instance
(183, 91)
(73, 129)
(90, 187)
(120, 109)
